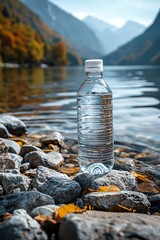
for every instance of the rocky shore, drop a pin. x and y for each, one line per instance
(44, 195)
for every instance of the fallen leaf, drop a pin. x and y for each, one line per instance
(62, 211)
(110, 188)
(140, 177)
(149, 186)
(68, 170)
(120, 208)
(47, 223)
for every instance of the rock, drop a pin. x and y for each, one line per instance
(57, 185)
(1, 190)
(24, 167)
(14, 161)
(14, 125)
(122, 179)
(3, 155)
(46, 210)
(4, 132)
(113, 226)
(155, 202)
(55, 138)
(51, 160)
(21, 226)
(108, 200)
(27, 149)
(10, 181)
(13, 147)
(24, 200)
(14, 171)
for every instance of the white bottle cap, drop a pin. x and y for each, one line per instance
(94, 65)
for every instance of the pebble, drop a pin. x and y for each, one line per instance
(122, 179)
(114, 226)
(3, 154)
(14, 161)
(46, 210)
(24, 200)
(21, 226)
(57, 185)
(24, 167)
(11, 181)
(13, 147)
(51, 160)
(27, 149)
(4, 132)
(128, 199)
(54, 138)
(14, 125)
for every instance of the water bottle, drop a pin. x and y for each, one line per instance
(95, 124)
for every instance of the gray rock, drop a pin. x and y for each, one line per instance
(21, 226)
(24, 167)
(1, 190)
(106, 200)
(3, 155)
(46, 210)
(14, 171)
(4, 132)
(10, 181)
(57, 185)
(14, 125)
(55, 138)
(24, 200)
(122, 179)
(13, 147)
(112, 226)
(51, 160)
(14, 161)
(27, 149)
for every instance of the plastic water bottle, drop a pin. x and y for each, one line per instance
(95, 124)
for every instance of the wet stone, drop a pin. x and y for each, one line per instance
(14, 171)
(4, 132)
(24, 200)
(1, 190)
(55, 138)
(11, 181)
(14, 125)
(21, 226)
(128, 199)
(113, 226)
(155, 202)
(3, 155)
(51, 160)
(57, 185)
(27, 149)
(122, 179)
(14, 161)
(13, 147)
(46, 210)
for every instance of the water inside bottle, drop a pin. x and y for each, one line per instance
(95, 132)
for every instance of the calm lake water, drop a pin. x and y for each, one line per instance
(45, 98)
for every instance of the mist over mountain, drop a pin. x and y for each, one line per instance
(142, 50)
(79, 37)
(112, 37)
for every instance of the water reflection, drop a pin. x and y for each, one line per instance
(46, 100)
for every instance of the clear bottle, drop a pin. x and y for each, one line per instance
(95, 124)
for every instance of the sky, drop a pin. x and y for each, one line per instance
(115, 12)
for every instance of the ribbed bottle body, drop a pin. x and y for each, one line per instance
(95, 126)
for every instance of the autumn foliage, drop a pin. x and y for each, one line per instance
(21, 43)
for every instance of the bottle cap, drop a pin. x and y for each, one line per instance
(94, 65)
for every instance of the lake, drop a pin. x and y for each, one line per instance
(45, 99)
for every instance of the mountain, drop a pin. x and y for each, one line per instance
(98, 24)
(24, 38)
(79, 37)
(112, 37)
(142, 50)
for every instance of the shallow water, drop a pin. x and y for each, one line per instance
(45, 98)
